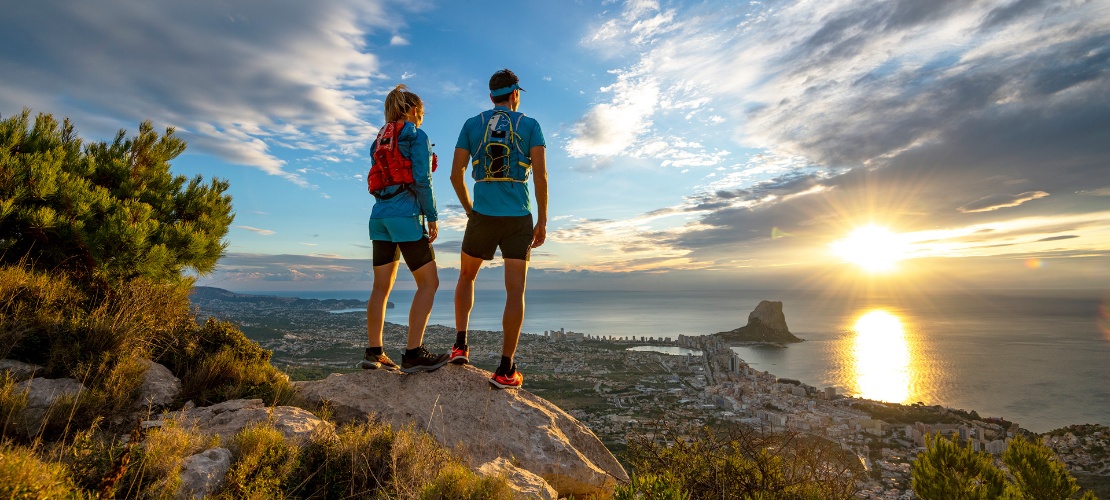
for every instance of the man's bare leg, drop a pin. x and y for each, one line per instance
(516, 276)
(464, 290)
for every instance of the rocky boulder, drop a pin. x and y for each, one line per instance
(43, 394)
(527, 486)
(228, 418)
(766, 323)
(203, 473)
(159, 386)
(18, 370)
(458, 407)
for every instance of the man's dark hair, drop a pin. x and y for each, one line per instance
(500, 80)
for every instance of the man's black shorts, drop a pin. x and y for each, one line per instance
(484, 233)
(417, 253)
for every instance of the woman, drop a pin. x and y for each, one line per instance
(397, 228)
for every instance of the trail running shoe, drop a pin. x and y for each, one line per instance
(422, 361)
(512, 380)
(460, 356)
(381, 361)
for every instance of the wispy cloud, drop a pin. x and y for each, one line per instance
(263, 232)
(236, 80)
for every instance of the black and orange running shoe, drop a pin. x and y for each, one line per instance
(460, 356)
(511, 380)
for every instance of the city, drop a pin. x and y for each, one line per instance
(619, 392)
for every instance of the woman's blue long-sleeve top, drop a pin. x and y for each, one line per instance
(417, 147)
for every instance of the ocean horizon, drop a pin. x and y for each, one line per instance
(1040, 358)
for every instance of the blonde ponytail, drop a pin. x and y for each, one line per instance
(398, 103)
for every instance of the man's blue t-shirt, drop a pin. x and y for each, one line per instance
(501, 198)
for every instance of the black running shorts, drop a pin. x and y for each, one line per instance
(485, 233)
(417, 253)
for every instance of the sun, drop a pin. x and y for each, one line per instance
(874, 248)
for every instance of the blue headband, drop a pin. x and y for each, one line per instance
(504, 90)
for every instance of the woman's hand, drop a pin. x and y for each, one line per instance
(433, 231)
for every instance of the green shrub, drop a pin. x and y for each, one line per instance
(225, 375)
(264, 463)
(947, 470)
(741, 463)
(371, 460)
(455, 481)
(24, 475)
(651, 487)
(155, 470)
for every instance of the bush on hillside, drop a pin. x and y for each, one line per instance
(23, 474)
(738, 462)
(947, 470)
(105, 212)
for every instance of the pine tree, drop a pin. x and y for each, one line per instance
(108, 211)
(1037, 473)
(947, 471)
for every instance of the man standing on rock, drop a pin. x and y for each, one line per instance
(506, 148)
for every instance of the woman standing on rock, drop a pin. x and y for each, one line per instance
(400, 179)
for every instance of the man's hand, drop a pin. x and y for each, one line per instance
(539, 234)
(433, 231)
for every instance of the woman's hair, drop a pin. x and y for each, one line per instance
(399, 102)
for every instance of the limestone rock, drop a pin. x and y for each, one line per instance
(458, 407)
(202, 474)
(159, 386)
(769, 313)
(528, 486)
(42, 393)
(18, 370)
(766, 323)
(228, 418)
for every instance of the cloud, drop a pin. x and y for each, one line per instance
(860, 111)
(236, 80)
(263, 232)
(398, 40)
(998, 201)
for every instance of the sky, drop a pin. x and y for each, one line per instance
(712, 144)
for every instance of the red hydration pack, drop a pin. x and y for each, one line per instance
(389, 167)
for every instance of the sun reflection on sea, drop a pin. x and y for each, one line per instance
(882, 363)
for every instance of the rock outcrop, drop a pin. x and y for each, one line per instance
(18, 370)
(766, 323)
(458, 407)
(203, 473)
(159, 387)
(228, 418)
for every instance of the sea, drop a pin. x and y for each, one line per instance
(1040, 358)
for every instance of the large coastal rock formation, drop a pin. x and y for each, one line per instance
(458, 407)
(766, 323)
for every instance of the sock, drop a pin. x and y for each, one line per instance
(460, 339)
(411, 352)
(506, 366)
(374, 351)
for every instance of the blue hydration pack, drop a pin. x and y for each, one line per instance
(499, 157)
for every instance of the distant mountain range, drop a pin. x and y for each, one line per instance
(202, 294)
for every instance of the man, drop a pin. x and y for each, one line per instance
(507, 148)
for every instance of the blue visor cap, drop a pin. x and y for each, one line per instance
(505, 90)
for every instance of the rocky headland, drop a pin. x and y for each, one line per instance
(766, 323)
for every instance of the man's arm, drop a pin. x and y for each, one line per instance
(458, 178)
(539, 177)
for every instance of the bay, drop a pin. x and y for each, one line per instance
(1037, 357)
